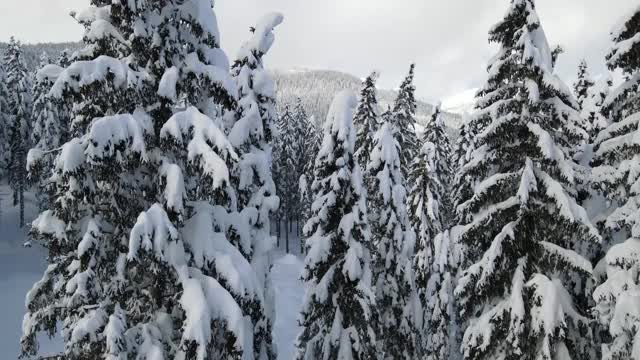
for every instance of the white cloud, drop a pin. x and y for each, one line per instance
(446, 38)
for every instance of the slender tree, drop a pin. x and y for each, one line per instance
(583, 84)
(367, 121)
(287, 164)
(404, 112)
(338, 314)
(252, 135)
(19, 109)
(313, 139)
(5, 124)
(430, 214)
(522, 225)
(616, 176)
(396, 295)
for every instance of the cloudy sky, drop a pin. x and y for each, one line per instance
(446, 38)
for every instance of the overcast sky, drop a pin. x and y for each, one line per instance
(446, 38)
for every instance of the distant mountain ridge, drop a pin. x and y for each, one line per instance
(316, 88)
(32, 52)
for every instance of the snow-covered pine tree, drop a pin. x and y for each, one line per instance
(396, 295)
(404, 111)
(463, 184)
(286, 182)
(300, 153)
(592, 108)
(313, 139)
(50, 120)
(583, 84)
(252, 135)
(146, 249)
(50, 129)
(338, 313)
(616, 175)
(582, 91)
(5, 125)
(430, 214)
(366, 121)
(19, 109)
(523, 223)
(64, 60)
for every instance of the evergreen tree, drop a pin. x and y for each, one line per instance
(404, 112)
(51, 122)
(5, 124)
(64, 60)
(366, 121)
(146, 248)
(523, 224)
(313, 139)
(430, 215)
(50, 130)
(338, 314)
(582, 91)
(463, 184)
(300, 153)
(396, 295)
(19, 109)
(286, 165)
(616, 176)
(583, 84)
(50, 117)
(252, 135)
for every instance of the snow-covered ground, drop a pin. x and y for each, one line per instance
(289, 293)
(20, 267)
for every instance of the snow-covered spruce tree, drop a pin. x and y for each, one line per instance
(522, 223)
(338, 313)
(616, 176)
(286, 182)
(5, 149)
(252, 135)
(19, 109)
(582, 91)
(64, 60)
(300, 154)
(404, 111)
(583, 84)
(146, 250)
(50, 129)
(465, 145)
(313, 139)
(51, 123)
(366, 121)
(592, 110)
(391, 232)
(430, 214)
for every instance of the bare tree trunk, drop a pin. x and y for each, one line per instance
(21, 203)
(279, 231)
(300, 239)
(287, 236)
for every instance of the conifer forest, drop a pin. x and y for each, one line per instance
(163, 197)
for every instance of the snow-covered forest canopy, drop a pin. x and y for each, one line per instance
(162, 198)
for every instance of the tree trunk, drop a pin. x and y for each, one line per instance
(279, 231)
(287, 236)
(21, 203)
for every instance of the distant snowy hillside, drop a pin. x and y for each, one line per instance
(318, 87)
(460, 103)
(32, 52)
